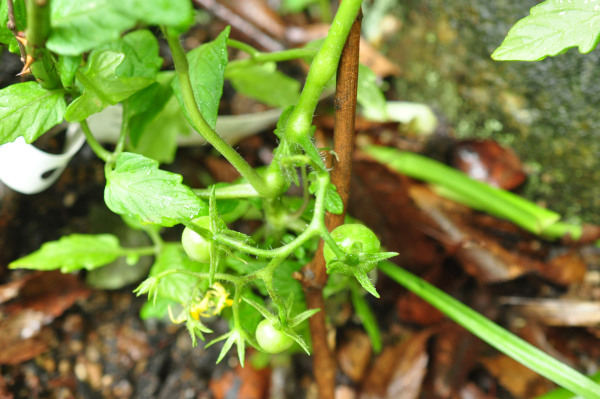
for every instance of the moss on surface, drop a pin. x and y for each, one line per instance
(545, 110)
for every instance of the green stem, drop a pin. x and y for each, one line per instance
(246, 48)
(124, 131)
(275, 56)
(38, 24)
(38, 29)
(218, 276)
(496, 336)
(284, 250)
(321, 71)
(229, 192)
(100, 151)
(198, 122)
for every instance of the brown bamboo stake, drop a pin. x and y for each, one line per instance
(315, 275)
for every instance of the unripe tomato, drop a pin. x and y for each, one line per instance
(271, 339)
(194, 245)
(347, 235)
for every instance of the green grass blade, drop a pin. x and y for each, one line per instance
(367, 317)
(562, 393)
(496, 336)
(458, 186)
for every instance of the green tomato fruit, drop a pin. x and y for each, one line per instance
(196, 246)
(350, 237)
(271, 339)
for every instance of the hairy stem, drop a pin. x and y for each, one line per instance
(321, 71)
(182, 69)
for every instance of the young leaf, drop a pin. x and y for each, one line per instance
(73, 252)
(177, 13)
(333, 201)
(136, 187)
(28, 110)
(79, 26)
(140, 49)
(551, 28)
(102, 86)
(264, 83)
(207, 70)
(370, 96)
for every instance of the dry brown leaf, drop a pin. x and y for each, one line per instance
(354, 355)
(488, 161)
(454, 353)
(242, 382)
(558, 312)
(516, 378)
(399, 370)
(480, 254)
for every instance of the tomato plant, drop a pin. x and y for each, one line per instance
(84, 57)
(111, 64)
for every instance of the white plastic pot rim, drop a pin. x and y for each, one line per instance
(28, 170)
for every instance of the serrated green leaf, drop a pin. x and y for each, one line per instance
(370, 96)
(140, 49)
(333, 201)
(102, 86)
(264, 83)
(6, 36)
(177, 13)
(207, 72)
(551, 28)
(157, 137)
(28, 110)
(150, 113)
(176, 286)
(73, 252)
(156, 310)
(136, 187)
(79, 26)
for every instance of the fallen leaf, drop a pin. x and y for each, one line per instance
(242, 382)
(488, 161)
(558, 312)
(399, 370)
(516, 378)
(354, 354)
(480, 253)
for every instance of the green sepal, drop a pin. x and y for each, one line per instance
(196, 329)
(234, 336)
